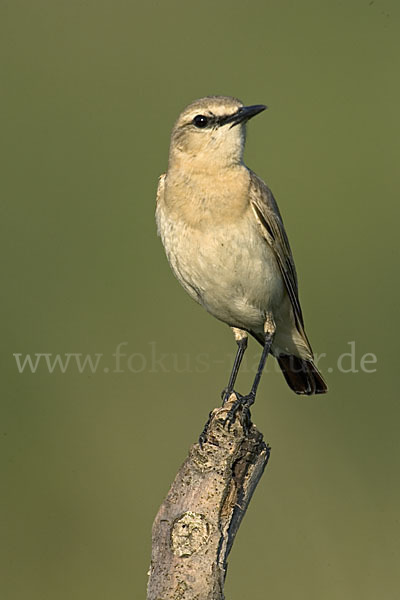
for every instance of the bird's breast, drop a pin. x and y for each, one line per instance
(227, 266)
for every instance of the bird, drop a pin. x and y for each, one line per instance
(226, 243)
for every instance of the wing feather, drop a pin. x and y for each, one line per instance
(269, 217)
(159, 198)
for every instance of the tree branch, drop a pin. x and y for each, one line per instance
(196, 525)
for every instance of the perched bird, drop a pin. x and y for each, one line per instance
(225, 241)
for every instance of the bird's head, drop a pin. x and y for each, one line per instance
(211, 131)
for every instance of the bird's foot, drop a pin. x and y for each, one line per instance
(244, 403)
(225, 395)
(203, 435)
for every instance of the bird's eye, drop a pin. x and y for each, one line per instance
(200, 121)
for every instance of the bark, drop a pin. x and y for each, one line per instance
(196, 525)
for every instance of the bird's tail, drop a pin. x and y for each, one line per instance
(302, 375)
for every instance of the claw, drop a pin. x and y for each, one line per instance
(203, 435)
(243, 402)
(225, 395)
(202, 439)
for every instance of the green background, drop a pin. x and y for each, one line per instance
(89, 93)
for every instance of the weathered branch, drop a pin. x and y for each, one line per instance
(196, 525)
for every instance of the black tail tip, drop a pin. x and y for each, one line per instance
(301, 375)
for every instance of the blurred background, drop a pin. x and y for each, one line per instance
(89, 446)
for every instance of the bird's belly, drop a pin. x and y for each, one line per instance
(231, 271)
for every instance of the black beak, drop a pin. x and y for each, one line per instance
(243, 114)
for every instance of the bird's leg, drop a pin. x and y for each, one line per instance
(247, 401)
(241, 340)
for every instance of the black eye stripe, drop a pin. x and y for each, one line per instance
(202, 121)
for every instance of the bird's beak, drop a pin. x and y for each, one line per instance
(243, 114)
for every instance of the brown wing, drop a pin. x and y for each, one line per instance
(301, 375)
(159, 198)
(267, 212)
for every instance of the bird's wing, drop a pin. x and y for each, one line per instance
(267, 213)
(160, 187)
(159, 198)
